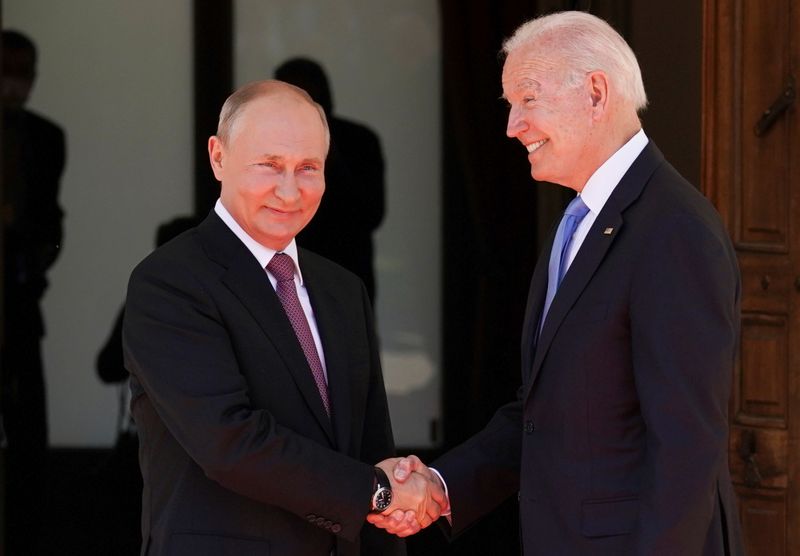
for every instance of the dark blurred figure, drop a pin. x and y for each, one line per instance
(33, 161)
(353, 204)
(116, 528)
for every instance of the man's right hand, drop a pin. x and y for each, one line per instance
(418, 497)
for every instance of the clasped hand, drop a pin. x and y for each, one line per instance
(418, 497)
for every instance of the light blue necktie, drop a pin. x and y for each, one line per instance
(575, 212)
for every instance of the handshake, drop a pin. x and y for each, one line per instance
(418, 497)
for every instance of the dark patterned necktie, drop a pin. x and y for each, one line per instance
(282, 268)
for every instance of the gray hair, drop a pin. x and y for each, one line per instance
(585, 43)
(257, 89)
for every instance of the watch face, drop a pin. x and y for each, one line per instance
(382, 499)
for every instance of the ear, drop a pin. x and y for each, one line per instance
(216, 154)
(598, 91)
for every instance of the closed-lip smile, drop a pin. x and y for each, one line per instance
(281, 212)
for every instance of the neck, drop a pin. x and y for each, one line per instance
(615, 139)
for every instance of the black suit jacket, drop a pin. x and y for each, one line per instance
(617, 442)
(237, 453)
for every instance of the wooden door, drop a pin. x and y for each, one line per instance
(751, 171)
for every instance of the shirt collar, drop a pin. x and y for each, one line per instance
(602, 183)
(262, 253)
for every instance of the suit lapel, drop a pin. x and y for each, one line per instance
(249, 282)
(533, 310)
(589, 257)
(327, 312)
(591, 254)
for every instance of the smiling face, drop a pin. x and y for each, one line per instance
(271, 167)
(552, 119)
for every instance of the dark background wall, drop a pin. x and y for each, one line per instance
(667, 39)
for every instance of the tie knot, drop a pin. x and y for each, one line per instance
(577, 208)
(282, 267)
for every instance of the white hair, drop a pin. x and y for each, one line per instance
(585, 43)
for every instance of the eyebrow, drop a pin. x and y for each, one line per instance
(523, 84)
(277, 157)
(313, 160)
(529, 83)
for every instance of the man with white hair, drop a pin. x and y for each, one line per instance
(617, 441)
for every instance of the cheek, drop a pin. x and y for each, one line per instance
(571, 132)
(312, 190)
(255, 187)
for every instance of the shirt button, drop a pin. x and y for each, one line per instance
(529, 428)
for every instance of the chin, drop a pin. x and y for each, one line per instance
(538, 176)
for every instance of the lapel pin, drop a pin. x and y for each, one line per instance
(608, 231)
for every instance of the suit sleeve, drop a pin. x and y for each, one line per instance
(484, 471)
(177, 347)
(378, 443)
(684, 326)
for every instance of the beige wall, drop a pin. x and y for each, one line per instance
(117, 76)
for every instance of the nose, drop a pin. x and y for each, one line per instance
(287, 189)
(516, 123)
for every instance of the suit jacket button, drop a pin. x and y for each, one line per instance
(320, 521)
(335, 528)
(529, 428)
(328, 524)
(311, 517)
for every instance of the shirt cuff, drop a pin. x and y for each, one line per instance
(445, 511)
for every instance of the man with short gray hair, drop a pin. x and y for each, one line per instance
(617, 442)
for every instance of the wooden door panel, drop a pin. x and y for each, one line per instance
(767, 284)
(763, 369)
(763, 50)
(751, 53)
(764, 517)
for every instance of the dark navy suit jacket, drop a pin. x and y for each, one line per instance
(617, 443)
(237, 453)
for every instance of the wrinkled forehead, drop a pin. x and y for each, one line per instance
(531, 68)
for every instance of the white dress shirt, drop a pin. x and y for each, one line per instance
(600, 186)
(264, 255)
